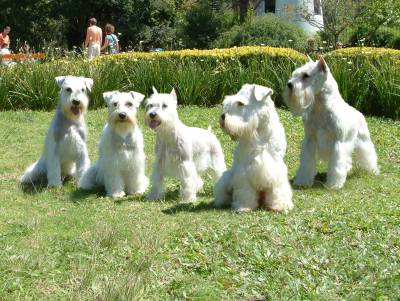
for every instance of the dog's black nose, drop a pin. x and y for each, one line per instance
(152, 115)
(290, 85)
(122, 115)
(223, 116)
(76, 102)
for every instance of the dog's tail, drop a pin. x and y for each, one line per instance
(33, 174)
(89, 179)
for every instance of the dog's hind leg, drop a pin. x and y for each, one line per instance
(223, 190)
(34, 173)
(88, 180)
(338, 166)
(364, 150)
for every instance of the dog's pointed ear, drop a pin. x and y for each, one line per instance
(137, 98)
(173, 94)
(154, 90)
(260, 93)
(88, 83)
(107, 96)
(323, 66)
(60, 80)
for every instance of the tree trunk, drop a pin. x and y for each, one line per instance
(243, 7)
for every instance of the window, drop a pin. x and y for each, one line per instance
(270, 6)
(317, 7)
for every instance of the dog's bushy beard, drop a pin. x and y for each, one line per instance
(236, 128)
(299, 100)
(121, 127)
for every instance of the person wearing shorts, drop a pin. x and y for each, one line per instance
(94, 36)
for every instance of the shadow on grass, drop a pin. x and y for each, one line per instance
(80, 195)
(40, 185)
(190, 207)
(320, 179)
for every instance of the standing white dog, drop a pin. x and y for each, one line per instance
(259, 175)
(65, 152)
(333, 129)
(121, 165)
(181, 151)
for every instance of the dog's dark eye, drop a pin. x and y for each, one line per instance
(69, 90)
(240, 104)
(83, 90)
(149, 106)
(164, 106)
(305, 76)
(129, 104)
(115, 104)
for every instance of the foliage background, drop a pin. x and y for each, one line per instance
(178, 24)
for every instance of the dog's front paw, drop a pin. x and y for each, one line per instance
(116, 194)
(334, 184)
(281, 207)
(242, 209)
(303, 182)
(188, 197)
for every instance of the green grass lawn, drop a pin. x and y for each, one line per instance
(62, 244)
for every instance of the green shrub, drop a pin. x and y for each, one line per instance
(201, 77)
(368, 79)
(269, 30)
(202, 24)
(384, 37)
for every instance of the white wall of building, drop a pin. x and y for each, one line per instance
(288, 9)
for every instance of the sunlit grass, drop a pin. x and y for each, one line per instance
(63, 244)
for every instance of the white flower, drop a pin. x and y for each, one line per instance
(290, 41)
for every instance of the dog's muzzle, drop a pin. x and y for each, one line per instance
(122, 116)
(76, 108)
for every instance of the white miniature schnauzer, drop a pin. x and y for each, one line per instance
(258, 177)
(181, 151)
(333, 129)
(65, 152)
(121, 165)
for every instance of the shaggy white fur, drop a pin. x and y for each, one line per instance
(181, 151)
(65, 152)
(121, 165)
(333, 129)
(258, 177)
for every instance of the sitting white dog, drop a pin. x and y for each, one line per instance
(258, 177)
(181, 151)
(65, 152)
(121, 165)
(333, 129)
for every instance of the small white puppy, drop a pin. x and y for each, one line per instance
(121, 165)
(258, 177)
(333, 129)
(181, 151)
(65, 152)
